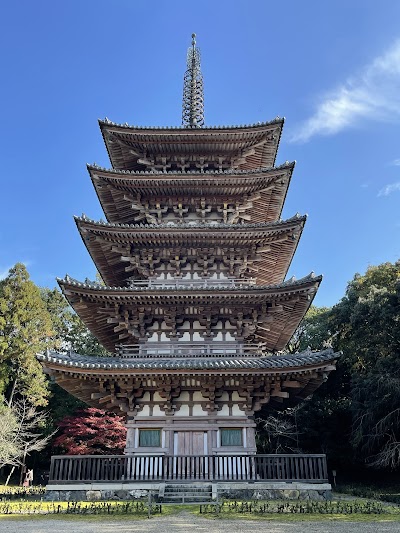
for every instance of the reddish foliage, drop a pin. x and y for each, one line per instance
(92, 432)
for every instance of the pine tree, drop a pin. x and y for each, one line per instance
(25, 329)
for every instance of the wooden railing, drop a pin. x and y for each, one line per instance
(197, 283)
(123, 468)
(188, 349)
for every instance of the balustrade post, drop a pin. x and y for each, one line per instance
(274, 467)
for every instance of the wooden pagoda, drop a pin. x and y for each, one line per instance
(194, 306)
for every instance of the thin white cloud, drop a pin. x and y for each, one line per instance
(372, 94)
(389, 189)
(396, 162)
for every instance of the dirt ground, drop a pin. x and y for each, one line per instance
(188, 523)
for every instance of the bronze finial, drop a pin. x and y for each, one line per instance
(193, 93)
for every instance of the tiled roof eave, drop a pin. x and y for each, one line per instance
(190, 226)
(229, 139)
(107, 123)
(311, 279)
(281, 363)
(191, 173)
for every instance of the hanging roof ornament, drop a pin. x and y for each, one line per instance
(193, 93)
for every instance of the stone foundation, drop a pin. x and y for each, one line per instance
(275, 491)
(230, 491)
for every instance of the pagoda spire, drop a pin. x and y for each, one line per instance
(193, 93)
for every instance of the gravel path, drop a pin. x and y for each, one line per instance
(188, 523)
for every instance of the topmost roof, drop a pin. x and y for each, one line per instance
(242, 147)
(276, 120)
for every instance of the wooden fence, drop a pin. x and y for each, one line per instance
(124, 468)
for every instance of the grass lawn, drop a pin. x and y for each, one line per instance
(26, 503)
(356, 511)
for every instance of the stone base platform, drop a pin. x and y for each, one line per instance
(232, 490)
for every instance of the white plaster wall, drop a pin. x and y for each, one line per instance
(224, 411)
(198, 411)
(183, 397)
(236, 411)
(183, 411)
(236, 397)
(197, 396)
(157, 411)
(144, 412)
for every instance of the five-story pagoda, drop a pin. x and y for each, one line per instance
(194, 304)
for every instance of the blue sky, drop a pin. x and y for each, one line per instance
(331, 68)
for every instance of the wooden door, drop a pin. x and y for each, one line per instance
(189, 442)
(189, 447)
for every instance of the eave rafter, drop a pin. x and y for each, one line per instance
(119, 385)
(246, 147)
(260, 251)
(124, 195)
(263, 314)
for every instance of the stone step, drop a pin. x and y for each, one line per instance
(183, 498)
(197, 485)
(187, 493)
(188, 486)
(189, 489)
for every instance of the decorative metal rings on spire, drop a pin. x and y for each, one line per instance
(193, 92)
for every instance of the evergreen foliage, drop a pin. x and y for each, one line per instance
(368, 322)
(70, 333)
(355, 416)
(25, 329)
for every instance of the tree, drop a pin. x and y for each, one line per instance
(314, 331)
(60, 314)
(368, 322)
(21, 432)
(9, 451)
(25, 329)
(92, 432)
(279, 432)
(355, 416)
(81, 340)
(70, 333)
